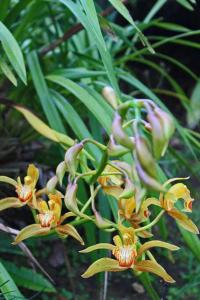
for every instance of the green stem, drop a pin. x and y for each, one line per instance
(152, 223)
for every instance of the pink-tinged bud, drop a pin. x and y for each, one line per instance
(139, 196)
(114, 149)
(144, 156)
(147, 180)
(60, 171)
(110, 96)
(51, 184)
(101, 222)
(71, 158)
(120, 135)
(70, 198)
(159, 140)
(167, 124)
(129, 189)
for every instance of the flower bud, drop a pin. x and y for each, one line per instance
(60, 171)
(167, 124)
(114, 149)
(149, 181)
(159, 140)
(129, 190)
(100, 221)
(71, 158)
(110, 96)
(70, 198)
(144, 155)
(51, 184)
(120, 135)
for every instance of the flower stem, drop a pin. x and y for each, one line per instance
(152, 223)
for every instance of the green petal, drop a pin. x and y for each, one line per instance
(10, 202)
(103, 265)
(29, 231)
(153, 267)
(97, 247)
(8, 180)
(68, 229)
(156, 243)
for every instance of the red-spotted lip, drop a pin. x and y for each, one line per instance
(190, 205)
(25, 199)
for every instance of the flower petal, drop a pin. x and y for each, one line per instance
(65, 216)
(183, 220)
(33, 172)
(156, 243)
(103, 265)
(97, 247)
(29, 231)
(8, 180)
(153, 267)
(113, 190)
(68, 229)
(10, 202)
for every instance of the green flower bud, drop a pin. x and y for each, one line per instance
(71, 158)
(110, 96)
(70, 198)
(51, 185)
(120, 135)
(159, 139)
(147, 180)
(115, 150)
(144, 156)
(129, 190)
(100, 221)
(60, 171)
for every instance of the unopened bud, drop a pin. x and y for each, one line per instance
(110, 96)
(70, 198)
(120, 135)
(60, 171)
(71, 158)
(149, 181)
(129, 189)
(100, 221)
(114, 149)
(51, 184)
(159, 140)
(167, 124)
(143, 152)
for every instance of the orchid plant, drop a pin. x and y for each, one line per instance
(128, 172)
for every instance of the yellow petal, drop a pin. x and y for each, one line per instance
(68, 229)
(103, 265)
(10, 202)
(29, 231)
(97, 247)
(153, 267)
(156, 243)
(174, 179)
(65, 216)
(183, 220)
(112, 190)
(8, 180)
(33, 172)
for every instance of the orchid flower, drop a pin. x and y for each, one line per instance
(49, 219)
(168, 200)
(25, 191)
(129, 254)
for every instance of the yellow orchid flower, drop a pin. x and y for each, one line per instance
(25, 191)
(167, 202)
(127, 209)
(111, 184)
(128, 255)
(49, 219)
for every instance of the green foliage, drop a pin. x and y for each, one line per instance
(64, 84)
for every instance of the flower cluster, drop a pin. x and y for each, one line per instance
(142, 130)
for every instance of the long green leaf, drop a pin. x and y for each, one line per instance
(13, 51)
(8, 286)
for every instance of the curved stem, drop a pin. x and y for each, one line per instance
(157, 218)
